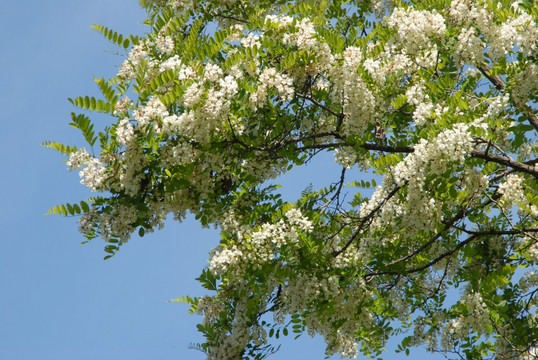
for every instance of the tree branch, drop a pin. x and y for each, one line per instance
(429, 264)
(448, 224)
(526, 167)
(366, 219)
(500, 85)
(317, 103)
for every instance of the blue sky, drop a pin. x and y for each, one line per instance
(59, 299)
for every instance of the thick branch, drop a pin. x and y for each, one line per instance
(500, 232)
(389, 149)
(524, 167)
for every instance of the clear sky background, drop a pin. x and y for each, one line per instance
(59, 299)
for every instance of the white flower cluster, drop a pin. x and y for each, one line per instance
(120, 223)
(122, 105)
(391, 61)
(228, 86)
(377, 197)
(241, 333)
(236, 32)
(295, 218)
(271, 79)
(260, 246)
(94, 173)
(192, 95)
(280, 21)
(420, 211)
(512, 191)
(303, 36)
(165, 44)
(251, 40)
(173, 62)
(413, 46)
(345, 156)
(301, 33)
(360, 102)
(78, 159)
(528, 150)
(352, 59)
(170, 124)
(433, 157)
(380, 7)
(184, 72)
(180, 6)
(469, 48)
(526, 83)
(497, 105)
(136, 56)
(417, 96)
(124, 132)
(416, 29)
(154, 110)
(130, 174)
(305, 290)
(530, 279)
(207, 102)
(208, 307)
(521, 32)
(212, 72)
(224, 258)
(531, 354)
(501, 38)
(458, 329)
(230, 343)
(478, 308)
(474, 181)
(526, 34)
(261, 169)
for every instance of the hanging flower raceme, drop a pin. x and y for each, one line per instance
(429, 112)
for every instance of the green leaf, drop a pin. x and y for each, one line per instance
(61, 148)
(92, 104)
(84, 206)
(83, 123)
(111, 35)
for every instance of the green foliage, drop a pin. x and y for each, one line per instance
(115, 38)
(69, 209)
(227, 99)
(83, 123)
(61, 148)
(90, 103)
(108, 92)
(186, 300)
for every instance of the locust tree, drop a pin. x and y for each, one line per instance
(429, 110)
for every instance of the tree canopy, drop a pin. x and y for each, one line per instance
(434, 102)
